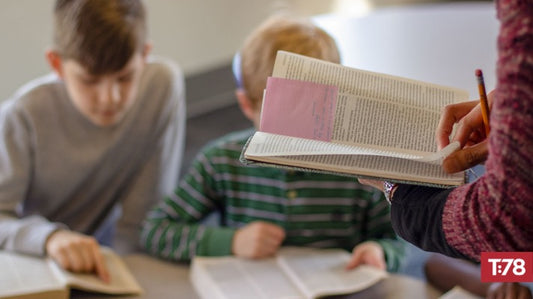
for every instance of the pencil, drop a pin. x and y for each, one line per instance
(483, 100)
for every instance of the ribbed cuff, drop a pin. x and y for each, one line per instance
(394, 251)
(35, 238)
(216, 242)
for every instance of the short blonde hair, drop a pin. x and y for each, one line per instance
(286, 33)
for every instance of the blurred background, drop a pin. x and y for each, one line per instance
(201, 35)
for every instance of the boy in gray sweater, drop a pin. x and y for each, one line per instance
(85, 151)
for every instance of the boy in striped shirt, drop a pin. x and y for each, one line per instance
(262, 208)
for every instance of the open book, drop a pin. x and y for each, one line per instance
(325, 117)
(25, 277)
(295, 272)
(459, 293)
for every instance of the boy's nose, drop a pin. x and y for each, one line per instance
(110, 94)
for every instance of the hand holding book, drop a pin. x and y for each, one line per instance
(77, 253)
(472, 118)
(470, 133)
(36, 278)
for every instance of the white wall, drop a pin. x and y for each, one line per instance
(25, 29)
(198, 34)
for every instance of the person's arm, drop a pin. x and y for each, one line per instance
(172, 230)
(494, 212)
(35, 234)
(444, 273)
(29, 234)
(158, 175)
(416, 214)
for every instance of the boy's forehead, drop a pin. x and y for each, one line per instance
(82, 69)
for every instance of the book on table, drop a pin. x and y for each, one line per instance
(458, 292)
(324, 117)
(295, 272)
(25, 277)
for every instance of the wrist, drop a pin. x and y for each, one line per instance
(389, 189)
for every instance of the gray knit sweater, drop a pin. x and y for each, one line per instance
(57, 169)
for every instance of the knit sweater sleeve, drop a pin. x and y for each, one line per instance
(494, 213)
(27, 235)
(416, 216)
(174, 230)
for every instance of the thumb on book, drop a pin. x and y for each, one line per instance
(368, 253)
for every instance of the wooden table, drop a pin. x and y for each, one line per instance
(165, 280)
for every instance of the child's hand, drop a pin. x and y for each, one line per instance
(508, 290)
(368, 253)
(257, 240)
(77, 253)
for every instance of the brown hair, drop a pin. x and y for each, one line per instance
(280, 33)
(101, 35)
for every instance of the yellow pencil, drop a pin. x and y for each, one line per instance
(485, 113)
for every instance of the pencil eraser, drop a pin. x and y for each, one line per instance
(478, 72)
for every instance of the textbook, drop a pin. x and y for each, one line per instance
(25, 277)
(295, 272)
(324, 117)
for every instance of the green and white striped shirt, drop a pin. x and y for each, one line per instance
(315, 210)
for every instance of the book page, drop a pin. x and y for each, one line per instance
(366, 84)
(459, 293)
(122, 281)
(265, 144)
(378, 114)
(28, 276)
(320, 272)
(377, 167)
(316, 111)
(231, 277)
(385, 125)
(299, 109)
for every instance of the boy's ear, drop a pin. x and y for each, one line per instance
(147, 50)
(245, 104)
(54, 60)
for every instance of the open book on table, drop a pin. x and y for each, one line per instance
(25, 277)
(325, 117)
(293, 273)
(458, 292)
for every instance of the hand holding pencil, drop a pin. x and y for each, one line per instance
(472, 120)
